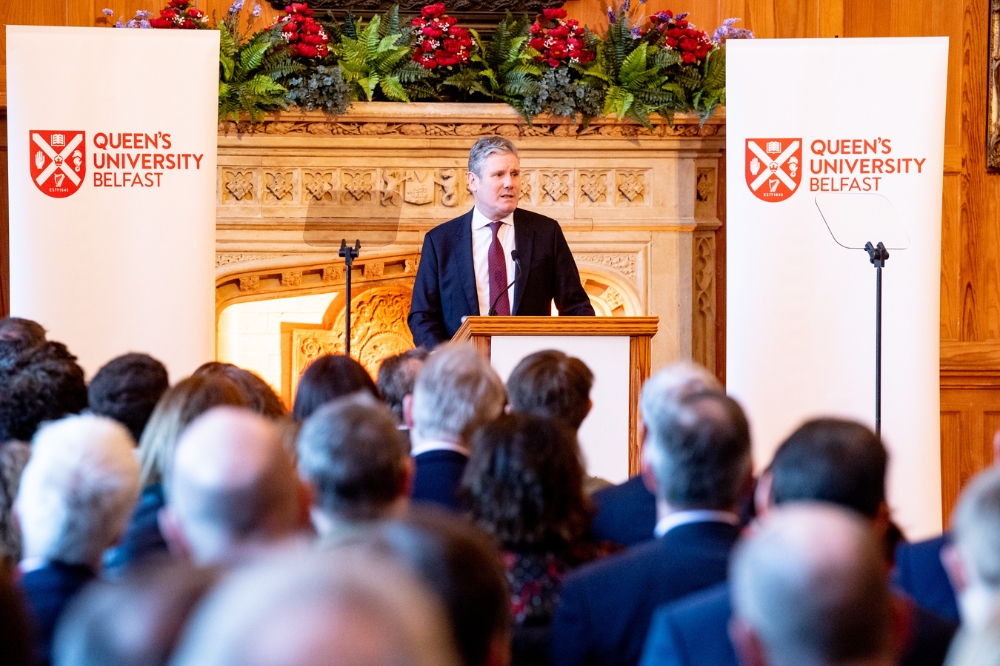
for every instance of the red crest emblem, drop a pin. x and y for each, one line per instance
(774, 168)
(58, 161)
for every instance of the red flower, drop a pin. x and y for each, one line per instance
(160, 23)
(552, 62)
(195, 13)
(688, 57)
(433, 11)
(168, 13)
(307, 51)
(418, 22)
(187, 24)
(554, 13)
(537, 43)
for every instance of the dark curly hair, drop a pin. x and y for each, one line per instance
(127, 388)
(43, 384)
(524, 483)
(329, 377)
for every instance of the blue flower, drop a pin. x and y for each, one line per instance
(132, 24)
(144, 24)
(256, 10)
(237, 6)
(107, 12)
(626, 6)
(611, 15)
(635, 32)
(119, 24)
(142, 14)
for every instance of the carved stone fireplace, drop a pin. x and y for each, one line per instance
(638, 209)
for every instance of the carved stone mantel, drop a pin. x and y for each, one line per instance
(639, 208)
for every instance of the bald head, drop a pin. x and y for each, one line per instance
(809, 588)
(340, 608)
(233, 484)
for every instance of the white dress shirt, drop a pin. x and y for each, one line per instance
(678, 518)
(482, 238)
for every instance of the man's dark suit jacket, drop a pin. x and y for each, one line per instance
(695, 632)
(920, 574)
(46, 591)
(626, 513)
(445, 289)
(439, 474)
(605, 607)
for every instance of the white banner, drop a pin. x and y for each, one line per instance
(854, 127)
(112, 162)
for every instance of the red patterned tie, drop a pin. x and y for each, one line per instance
(498, 274)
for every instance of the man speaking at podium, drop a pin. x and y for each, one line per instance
(494, 260)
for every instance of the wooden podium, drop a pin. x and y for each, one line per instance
(616, 349)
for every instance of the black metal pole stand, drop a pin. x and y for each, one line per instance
(349, 254)
(878, 256)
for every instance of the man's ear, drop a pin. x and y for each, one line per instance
(173, 534)
(646, 469)
(955, 567)
(408, 410)
(762, 494)
(409, 478)
(473, 181)
(306, 500)
(749, 649)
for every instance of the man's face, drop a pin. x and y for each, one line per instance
(496, 192)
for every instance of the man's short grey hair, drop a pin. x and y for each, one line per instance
(78, 489)
(486, 146)
(661, 392)
(336, 607)
(456, 393)
(699, 449)
(976, 528)
(352, 452)
(811, 584)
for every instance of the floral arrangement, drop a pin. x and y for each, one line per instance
(305, 37)
(440, 42)
(559, 40)
(640, 66)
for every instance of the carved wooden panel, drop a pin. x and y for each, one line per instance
(378, 318)
(704, 298)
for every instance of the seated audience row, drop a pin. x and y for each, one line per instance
(457, 525)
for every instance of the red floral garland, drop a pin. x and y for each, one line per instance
(694, 45)
(558, 39)
(440, 41)
(305, 37)
(178, 15)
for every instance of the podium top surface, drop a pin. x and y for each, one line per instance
(610, 326)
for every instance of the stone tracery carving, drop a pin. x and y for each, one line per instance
(623, 263)
(555, 186)
(319, 185)
(703, 279)
(379, 329)
(593, 187)
(279, 185)
(358, 186)
(237, 185)
(631, 187)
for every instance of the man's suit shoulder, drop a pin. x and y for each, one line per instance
(449, 229)
(610, 570)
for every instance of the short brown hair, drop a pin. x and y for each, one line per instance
(552, 385)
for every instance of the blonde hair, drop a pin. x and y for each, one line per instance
(180, 405)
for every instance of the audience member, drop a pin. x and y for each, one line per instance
(232, 491)
(261, 397)
(13, 457)
(396, 377)
(327, 378)
(626, 513)
(697, 454)
(973, 559)
(552, 385)
(461, 565)
(920, 573)
(74, 500)
(524, 485)
(328, 607)
(127, 389)
(180, 405)
(356, 465)
(135, 621)
(17, 335)
(981, 647)
(825, 460)
(43, 383)
(809, 589)
(15, 630)
(456, 392)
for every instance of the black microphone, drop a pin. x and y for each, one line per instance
(517, 272)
